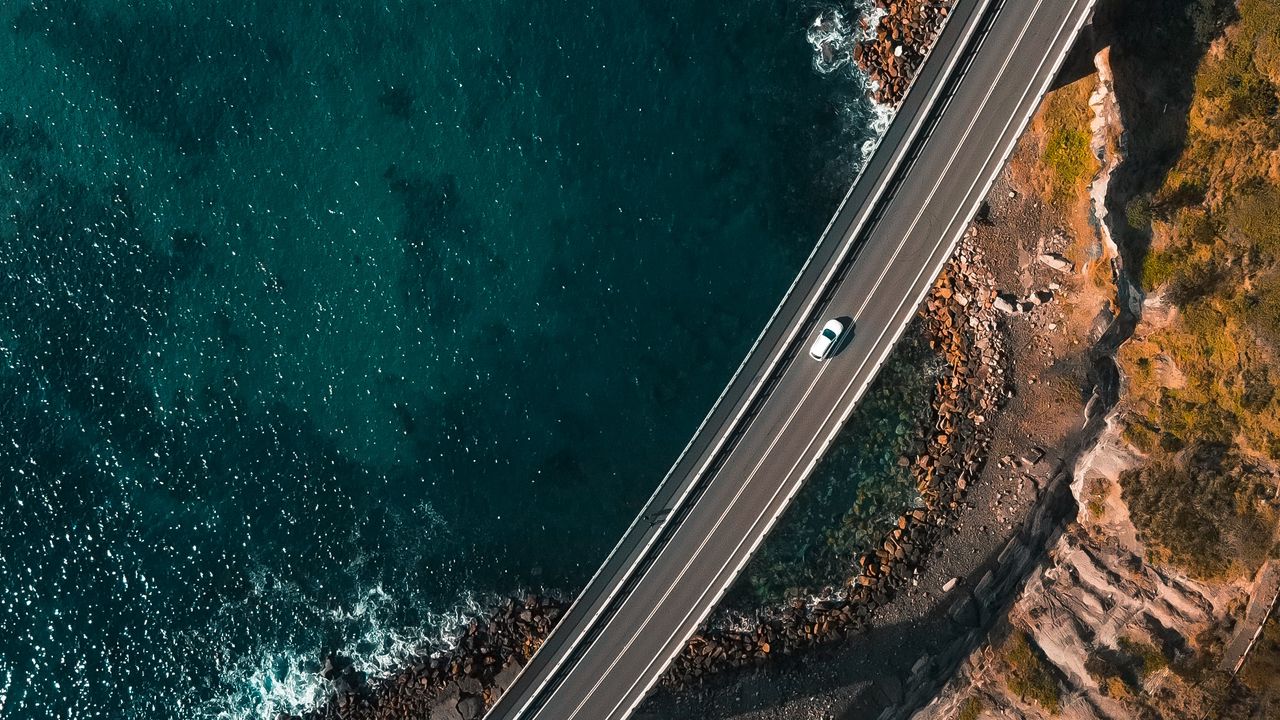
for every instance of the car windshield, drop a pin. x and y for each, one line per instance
(828, 333)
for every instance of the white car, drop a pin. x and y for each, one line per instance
(826, 339)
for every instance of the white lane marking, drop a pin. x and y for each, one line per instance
(859, 372)
(706, 538)
(795, 485)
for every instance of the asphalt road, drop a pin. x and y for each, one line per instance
(874, 264)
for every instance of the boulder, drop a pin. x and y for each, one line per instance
(471, 707)
(507, 676)
(446, 707)
(1057, 262)
(470, 685)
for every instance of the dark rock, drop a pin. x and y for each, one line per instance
(470, 686)
(471, 707)
(329, 670)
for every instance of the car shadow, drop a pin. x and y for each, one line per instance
(845, 338)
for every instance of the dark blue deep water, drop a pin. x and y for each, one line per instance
(322, 323)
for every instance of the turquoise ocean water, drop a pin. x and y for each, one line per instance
(322, 324)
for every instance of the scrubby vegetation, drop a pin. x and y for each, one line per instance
(1066, 151)
(1201, 396)
(1121, 671)
(1261, 673)
(1202, 509)
(1147, 657)
(1254, 694)
(970, 710)
(1029, 676)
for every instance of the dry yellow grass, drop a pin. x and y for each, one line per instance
(1215, 255)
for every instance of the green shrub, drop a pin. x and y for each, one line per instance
(1141, 436)
(1158, 267)
(1206, 324)
(1261, 25)
(1148, 657)
(1068, 156)
(1234, 89)
(1030, 677)
(1162, 503)
(1114, 679)
(1195, 227)
(1263, 309)
(1253, 216)
(1267, 57)
(1137, 212)
(970, 710)
(1066, 151)
(1195, 508)
(1208, 18)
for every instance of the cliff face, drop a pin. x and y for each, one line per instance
(1150, 599)
(1201, 401)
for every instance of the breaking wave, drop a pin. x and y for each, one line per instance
(833, 39)
(283, 677)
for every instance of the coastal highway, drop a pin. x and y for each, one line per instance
(888, 240)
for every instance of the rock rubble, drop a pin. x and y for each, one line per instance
(899, 44)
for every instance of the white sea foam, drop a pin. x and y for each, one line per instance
(8, 682)
(384, 647)
(833, 39)
(280, 678)
(881, 117)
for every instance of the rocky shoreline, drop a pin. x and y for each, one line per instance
(959, 319)
(891, 43)
(899, 44)
(456, 685)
